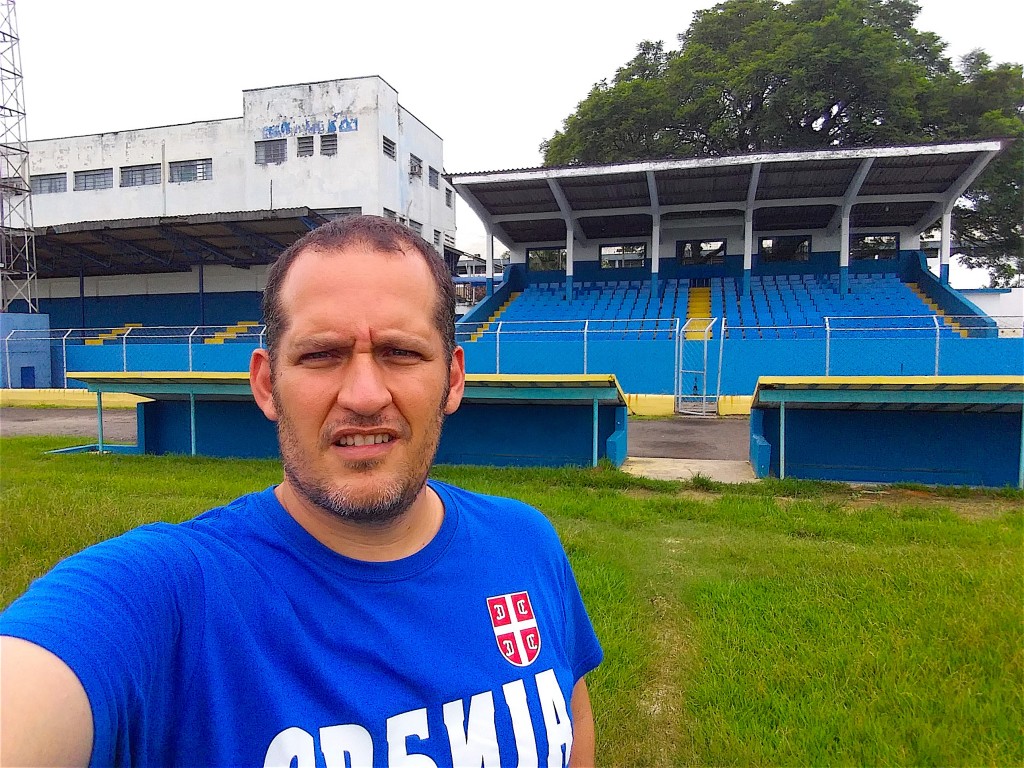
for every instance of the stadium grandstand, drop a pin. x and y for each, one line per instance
(694, 277)
(688, 279)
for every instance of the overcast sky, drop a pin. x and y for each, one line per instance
(493, 79)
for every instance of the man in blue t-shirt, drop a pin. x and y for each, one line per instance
(355, 614)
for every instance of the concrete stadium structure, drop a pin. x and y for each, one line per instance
(175, 225)
(692, 278)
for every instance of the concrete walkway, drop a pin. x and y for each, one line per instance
(680, 447)
(724, 471)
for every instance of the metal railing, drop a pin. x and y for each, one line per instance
(25, 339)
(584, 332)
(585, 345)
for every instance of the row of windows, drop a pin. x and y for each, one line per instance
(130, 176)
(414, 225)
(275, 151)
(700, 252)
(390, 149)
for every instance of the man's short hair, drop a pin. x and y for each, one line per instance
(378, 234)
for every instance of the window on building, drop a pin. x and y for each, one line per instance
(390, 149)
(271, 152)
(434, 177)
(785, 248)
(415, 226)
(190, 170)
(329, 144)
(304, 146)
(545, 259)
(389, 214)
(48, 183)
(449, 239)
(102, 178)
(415, 166)
(620, 256)
(872, 247)
(695, 252)
(448, 198)
(140, 175)
(437, 238)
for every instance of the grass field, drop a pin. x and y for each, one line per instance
(775, 623)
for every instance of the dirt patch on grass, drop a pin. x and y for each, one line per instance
(662, 702)
(971, 506)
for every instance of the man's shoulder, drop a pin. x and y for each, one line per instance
(171, 546)
(499, 512)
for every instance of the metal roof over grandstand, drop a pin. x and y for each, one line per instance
(177, 243)
(907, 186)
(169, 243)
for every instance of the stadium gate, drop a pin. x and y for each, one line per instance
(694, 394)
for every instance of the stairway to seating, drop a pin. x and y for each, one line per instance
(231, 332)
(698, 310)
(937, 310)
(485, 326)
(112, 335)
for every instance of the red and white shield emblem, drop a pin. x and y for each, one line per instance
(515, 627)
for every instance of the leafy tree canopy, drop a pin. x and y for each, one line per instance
(757, 75)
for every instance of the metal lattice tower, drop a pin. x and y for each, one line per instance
(18, 254)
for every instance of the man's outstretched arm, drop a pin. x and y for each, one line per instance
(582, 755)
(45, 717)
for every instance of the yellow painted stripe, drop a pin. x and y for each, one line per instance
(68, 398)
(890, 380)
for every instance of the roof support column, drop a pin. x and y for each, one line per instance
(945, 246)
(202, 295)
(748, 228)
(489, 256)
(748, 250)
(655, 253)
(652, 189)
(844, 254)
(569, 242)
(81, 295)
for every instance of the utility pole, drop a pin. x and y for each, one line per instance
(17, 237)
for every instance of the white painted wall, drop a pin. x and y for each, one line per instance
(1005, 306)
(358, 111)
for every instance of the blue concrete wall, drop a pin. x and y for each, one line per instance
(27, 354)
(530, 435)
(936, 447)
(135, 356)
(155, 309)
(647, 366)
(223, 428)
(498, 434)
(642, 366)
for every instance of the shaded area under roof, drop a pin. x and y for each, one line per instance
(169, 243)
(906, 186)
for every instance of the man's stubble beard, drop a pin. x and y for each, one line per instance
(395, 498)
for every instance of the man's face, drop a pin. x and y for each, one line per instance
(360, 385)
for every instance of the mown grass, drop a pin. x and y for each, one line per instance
(782, 623)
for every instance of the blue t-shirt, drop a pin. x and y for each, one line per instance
(238, 639)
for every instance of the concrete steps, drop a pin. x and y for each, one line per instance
(231, 332)
(484, 327)
(112, 335)
(698, 309)
(926, 299)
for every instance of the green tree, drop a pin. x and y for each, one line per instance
(755, 75)
(989, 222)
